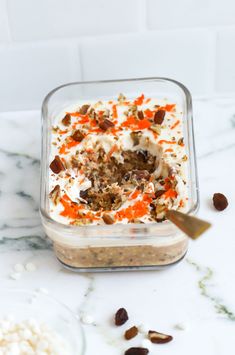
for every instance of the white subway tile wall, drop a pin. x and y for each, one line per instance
(49, 42)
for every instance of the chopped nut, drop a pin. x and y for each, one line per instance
(77, 136)
(184, 158)
(55, 195)
(56, 165)
(131, 333)
(66, 120)
(140, 115)
(156, 128)
(121, 316)
(137, 351)
(135, 136)
(141, 174)
(159, 338)
(83, 194)
(83, 110)
(181, 141)
(159, 193)
(121, 98)
(159, 116)
(220, 201)
(106, 124)
(107, 219)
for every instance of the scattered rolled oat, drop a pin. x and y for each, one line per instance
(87, 319)
(19, 267)
(30, 267)
(131, 333)
(220, 202)
(181, 326)
(15, 275)
(121, 316)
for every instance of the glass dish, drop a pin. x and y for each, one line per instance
(28, 305)
(118, 246)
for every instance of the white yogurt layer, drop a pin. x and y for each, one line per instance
(163, 141)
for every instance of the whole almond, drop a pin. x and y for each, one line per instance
(159, 338)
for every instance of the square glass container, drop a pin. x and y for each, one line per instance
(118, 246)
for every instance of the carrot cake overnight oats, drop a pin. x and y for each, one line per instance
(112, 166)
(118, 161)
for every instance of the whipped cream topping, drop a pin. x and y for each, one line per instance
(117, 161)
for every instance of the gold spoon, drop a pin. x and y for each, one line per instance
(190, 225)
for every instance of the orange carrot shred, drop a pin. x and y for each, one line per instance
(170, 193)
(139, 101)
(175, 124)
(167, 142)
(112, 150)
(115, 115)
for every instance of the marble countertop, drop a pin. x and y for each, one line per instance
(199, 291)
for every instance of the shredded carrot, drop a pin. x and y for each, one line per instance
(85, 119)
(71, 209)
(148, 113)
(134, 194)
(181, 204)
(74, 114)
(168, 107)
(170, 193)
(169, 150)
(63, 149)
(147, 100)
(139, 209)
(115, 115)
(167, 142)
(139, 101)
(143, 124)
(134, 124)
(62, 132)
(67, 146)
(112, 150)
(100, 113)
(175, 124)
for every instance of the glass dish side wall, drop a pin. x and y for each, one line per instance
(115, 235)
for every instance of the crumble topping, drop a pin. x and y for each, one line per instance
(117, 161)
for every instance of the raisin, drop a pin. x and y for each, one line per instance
(106, 124)
(121, 316)
(159, 116)
(66, 120)
(220, 201)
(56, 165)
(83, 110)
(140, 115)
(131, 333)
(77, 136)
(137, 351)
